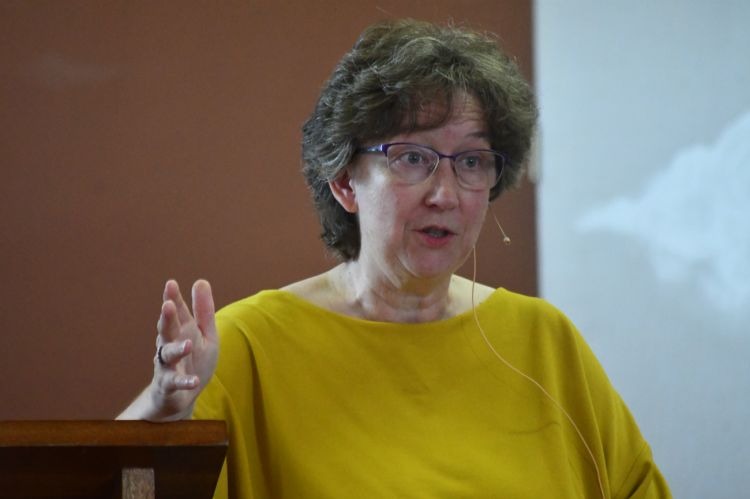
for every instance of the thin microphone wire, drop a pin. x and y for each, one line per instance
(529, 378)
(506, 239)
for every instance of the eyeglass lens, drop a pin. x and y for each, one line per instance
(477, 169)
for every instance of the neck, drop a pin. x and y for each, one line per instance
(385, 298)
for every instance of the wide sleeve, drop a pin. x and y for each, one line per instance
(230, 396)
(644, 480)
(630, 467)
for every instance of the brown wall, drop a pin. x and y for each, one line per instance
(145, 140)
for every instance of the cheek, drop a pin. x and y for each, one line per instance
(378, 211)
(475, 208)
(475, 214)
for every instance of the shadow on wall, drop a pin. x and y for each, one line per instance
(692, 221)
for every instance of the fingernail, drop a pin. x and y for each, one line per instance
(184, 346)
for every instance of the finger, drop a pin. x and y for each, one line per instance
(169, 324)
(203, 308)
(173, 381)
(172, 353)
(172, 292)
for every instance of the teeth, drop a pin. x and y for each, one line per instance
(437, 232)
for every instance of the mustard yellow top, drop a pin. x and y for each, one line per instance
(321, 405)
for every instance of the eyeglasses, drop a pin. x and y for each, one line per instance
(476, 170)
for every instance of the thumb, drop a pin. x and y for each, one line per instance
(203, 309)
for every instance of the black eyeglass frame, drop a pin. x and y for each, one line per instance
(500, 158)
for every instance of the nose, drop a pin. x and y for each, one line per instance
(443, 193)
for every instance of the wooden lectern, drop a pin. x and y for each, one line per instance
(111, 459)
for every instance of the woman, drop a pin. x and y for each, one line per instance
(388, 375)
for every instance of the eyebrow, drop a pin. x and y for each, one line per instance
(480, 134)
(477, 134)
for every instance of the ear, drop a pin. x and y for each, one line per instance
(343, 191)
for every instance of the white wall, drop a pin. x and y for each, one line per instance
(645, 216)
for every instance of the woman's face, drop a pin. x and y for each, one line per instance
(426, 230)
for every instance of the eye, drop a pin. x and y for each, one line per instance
(411, 156)
(473, 160)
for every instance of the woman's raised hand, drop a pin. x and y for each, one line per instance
(186, 353)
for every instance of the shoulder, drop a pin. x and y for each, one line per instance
(314, 289)
(242, 322)
(525, 311)
(537, 332)
(514, 310)
(271, 311)
(250, 308)
(465, 294)
(321, 292)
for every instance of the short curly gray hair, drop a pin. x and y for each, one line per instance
(376, 90)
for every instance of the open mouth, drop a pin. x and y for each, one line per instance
(436, 232)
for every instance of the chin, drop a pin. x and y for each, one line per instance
(432, 268)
